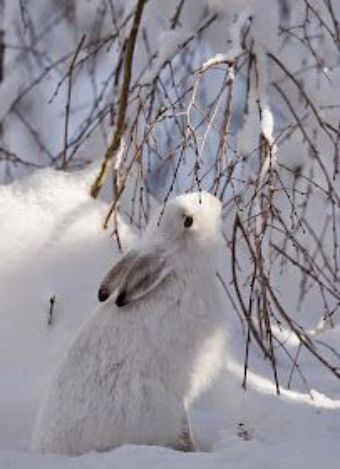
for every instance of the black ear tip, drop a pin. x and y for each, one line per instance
(103, 294)
(121, 299)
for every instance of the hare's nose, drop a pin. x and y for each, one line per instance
(103, 293)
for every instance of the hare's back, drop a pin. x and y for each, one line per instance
(106, 391)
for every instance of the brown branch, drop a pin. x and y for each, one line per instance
(303, 338)
(15, 159)
(298, 85)
(24, 14)
(238, 291)
(113, 149)
(2, 54)
(175, 19)
(307, 271)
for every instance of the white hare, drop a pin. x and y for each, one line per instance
(152, 346)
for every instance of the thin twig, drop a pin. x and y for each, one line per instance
(68, 101)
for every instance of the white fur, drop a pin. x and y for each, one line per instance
(132, 371)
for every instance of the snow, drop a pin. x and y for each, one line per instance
(216, 60)
(169, 42)
(50, 234)
(267, 124)
(267, 128)
(52, 243)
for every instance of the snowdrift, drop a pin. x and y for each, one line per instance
(52, 244)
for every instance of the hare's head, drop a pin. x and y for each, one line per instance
(194, 216)
(188, 220)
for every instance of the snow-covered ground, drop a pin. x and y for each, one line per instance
(52, 243)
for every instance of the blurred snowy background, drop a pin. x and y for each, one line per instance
(237, 97)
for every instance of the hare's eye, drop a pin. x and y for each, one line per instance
(188, 221)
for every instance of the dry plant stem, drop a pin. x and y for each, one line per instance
(120, 124)
(304, 339)
(238, 292)
(68, 101)
(323, 124)
(248, 339)
(2, 53)
(35, 135)
(120, 189)
(15, 159)
(307, 272)
(175, 19)
(51, 310)
(23, 11)
(295, 366)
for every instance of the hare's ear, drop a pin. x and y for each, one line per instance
(115, 276)
(146, 273)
